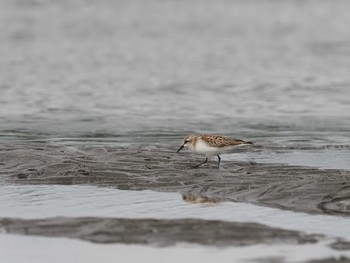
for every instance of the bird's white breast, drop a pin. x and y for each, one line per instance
(202, 148)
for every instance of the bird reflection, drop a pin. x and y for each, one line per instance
(200, 199)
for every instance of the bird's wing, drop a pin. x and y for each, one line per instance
(221, 141)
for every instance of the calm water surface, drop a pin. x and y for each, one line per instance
(83, 201)
(77, 251)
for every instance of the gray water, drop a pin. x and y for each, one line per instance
(35, 202)
(37, 249)
(136, 71)
(85, 201)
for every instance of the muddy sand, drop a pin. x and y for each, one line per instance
(157, 232)
(159, 168)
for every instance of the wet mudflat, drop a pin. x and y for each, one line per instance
(158, 168)
(159, 220)
(156, 232)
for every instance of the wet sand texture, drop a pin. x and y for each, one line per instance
(341, 245)
(156, 232)
(158, 168)
(331, 260)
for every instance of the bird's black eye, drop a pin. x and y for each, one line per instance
(186, 141)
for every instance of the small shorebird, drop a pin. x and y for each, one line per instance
(211, 145)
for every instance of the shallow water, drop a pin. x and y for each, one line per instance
(84, 201)
(117, 73)
(37, 249)
(139, 72)
(325, 159)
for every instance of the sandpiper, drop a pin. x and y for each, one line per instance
(211, 145)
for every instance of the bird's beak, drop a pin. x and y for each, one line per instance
(181, 147)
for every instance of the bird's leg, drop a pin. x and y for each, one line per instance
(219, 160)
(206, 159)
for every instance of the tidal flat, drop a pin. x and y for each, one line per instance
(157, 168)
(150, 195)
(96, 96)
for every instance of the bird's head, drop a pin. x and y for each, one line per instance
(187, 142)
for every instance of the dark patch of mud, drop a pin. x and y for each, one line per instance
(156, 232)
(341, 245)
(331, 260)
(159, 168)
